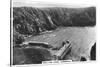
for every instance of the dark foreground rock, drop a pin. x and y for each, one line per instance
(30, 55)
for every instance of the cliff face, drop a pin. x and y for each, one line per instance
(32, 21)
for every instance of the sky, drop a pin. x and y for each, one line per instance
(53, 3)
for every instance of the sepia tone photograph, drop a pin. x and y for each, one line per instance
(49, 32)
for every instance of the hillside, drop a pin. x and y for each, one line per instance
(29, 21)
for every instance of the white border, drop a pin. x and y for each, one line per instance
(5, 33)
